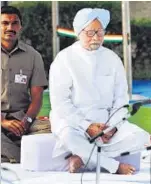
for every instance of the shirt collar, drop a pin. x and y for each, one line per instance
(20, 46)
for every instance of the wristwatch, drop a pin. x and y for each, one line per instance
(27, 119)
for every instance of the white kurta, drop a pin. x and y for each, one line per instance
(87, 87)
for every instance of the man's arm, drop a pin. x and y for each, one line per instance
(34, 107)
(60, 84)
(20, 127)
(120, 99)
(120, 94)
(38, 82)
(36, 101)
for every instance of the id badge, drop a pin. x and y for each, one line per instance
(21, 79)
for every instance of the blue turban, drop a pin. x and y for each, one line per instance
(86, 15)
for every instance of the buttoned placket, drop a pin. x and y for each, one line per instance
(9, 70)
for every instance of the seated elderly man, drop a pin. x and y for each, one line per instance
(87, 85)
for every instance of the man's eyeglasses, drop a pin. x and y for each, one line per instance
(91, 33)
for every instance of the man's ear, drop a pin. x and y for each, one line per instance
(20, 31)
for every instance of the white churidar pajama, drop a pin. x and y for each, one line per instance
(87, 87)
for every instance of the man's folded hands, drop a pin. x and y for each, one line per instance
(96, 128)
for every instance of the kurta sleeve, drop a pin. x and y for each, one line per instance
(120, 94)
(60, 84)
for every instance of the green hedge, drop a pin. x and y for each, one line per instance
(38, 31)
(141, 22)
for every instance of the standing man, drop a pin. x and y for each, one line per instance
(87, 85)
(23, 81)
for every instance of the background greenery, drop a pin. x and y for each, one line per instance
(38, 31)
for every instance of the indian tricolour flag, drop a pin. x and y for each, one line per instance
(107, 38)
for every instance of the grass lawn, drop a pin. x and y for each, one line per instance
(46, 105)
(142, 118)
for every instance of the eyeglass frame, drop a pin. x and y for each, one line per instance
(95, 32)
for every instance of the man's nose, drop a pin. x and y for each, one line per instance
(10, 27)
(95, 37)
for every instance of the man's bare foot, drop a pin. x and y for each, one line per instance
(75, 163)
(125, 169)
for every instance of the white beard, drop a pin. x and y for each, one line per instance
(94, 46)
